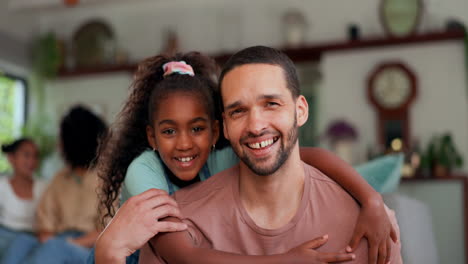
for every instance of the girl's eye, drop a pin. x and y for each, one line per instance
(169, 131)
(198, 129)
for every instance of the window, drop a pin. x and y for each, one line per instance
(12, 111)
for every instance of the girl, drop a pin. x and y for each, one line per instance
(166, 133)
(20, 196)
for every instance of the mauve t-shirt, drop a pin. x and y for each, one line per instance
(218, 220)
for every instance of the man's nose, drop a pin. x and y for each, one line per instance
(184, 141)
(256, 122)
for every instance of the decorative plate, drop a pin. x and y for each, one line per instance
(94, 44)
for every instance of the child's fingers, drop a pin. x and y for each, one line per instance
(164, 211)
(382, 253)
(148, 194)
(336, 257)
(393, 235)
(373, 251)
(357, 236)
(316, 242)
(166, 226)
(389, 250)
(157, 201)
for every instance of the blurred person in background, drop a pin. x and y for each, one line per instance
(20, 195)
(67, 215)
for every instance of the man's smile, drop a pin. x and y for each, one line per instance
(262, 144)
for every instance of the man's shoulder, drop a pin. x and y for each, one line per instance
(318, 177)
(324, 190)
(216, 186)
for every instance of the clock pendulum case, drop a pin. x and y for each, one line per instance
(391, 89)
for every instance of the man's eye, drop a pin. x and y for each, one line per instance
(169, 131)
(272, 104)
(236, 112)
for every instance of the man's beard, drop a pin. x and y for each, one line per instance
(281, 156)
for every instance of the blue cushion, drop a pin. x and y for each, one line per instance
(383, 173)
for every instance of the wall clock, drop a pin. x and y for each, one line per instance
(391, 89)
(400, 17)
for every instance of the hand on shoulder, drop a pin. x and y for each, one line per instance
(135, 223)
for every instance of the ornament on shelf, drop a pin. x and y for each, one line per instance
(171, 45)
(342, 136)
(294, 27)
(71, 3)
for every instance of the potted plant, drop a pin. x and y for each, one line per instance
(441, 155)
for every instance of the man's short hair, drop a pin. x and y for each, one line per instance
(264, 55)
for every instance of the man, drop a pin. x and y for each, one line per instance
(272, 201)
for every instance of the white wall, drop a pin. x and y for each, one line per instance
(20, 25)
(104, 94)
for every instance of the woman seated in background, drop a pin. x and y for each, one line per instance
(20, 194)
(67, 215)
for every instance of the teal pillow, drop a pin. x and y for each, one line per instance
(383, 173)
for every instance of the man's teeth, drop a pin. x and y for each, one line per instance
(186, 159)
(262, 144)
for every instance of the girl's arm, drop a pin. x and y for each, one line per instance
(373, 222)
(139, 219)
(342, 173)
(187, 252)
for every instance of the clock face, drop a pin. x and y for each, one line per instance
(392, 87)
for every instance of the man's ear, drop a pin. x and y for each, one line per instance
(226, 134)
(302, 110)
(215, 128)
(151, 137)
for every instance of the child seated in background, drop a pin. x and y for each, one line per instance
(20, 195)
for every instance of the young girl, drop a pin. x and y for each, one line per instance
(20, 195)
(166, 135)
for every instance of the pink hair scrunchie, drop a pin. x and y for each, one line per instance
(180, 67)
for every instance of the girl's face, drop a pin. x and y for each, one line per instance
(25, 159)
(183, 133)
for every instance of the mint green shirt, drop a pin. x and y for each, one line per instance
(146, 171)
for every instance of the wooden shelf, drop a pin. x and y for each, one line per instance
(82, 72)
(299, 54)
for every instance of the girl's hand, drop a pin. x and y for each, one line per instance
(305, 253)
(135, 223)
(374, 224)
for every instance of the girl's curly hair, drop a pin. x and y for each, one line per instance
(127, 137)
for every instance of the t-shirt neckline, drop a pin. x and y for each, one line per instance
(270, 232)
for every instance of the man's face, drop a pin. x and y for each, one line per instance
(261, 118)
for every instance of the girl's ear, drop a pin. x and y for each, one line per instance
(151, 137)
(215, 128)
(302, 110)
